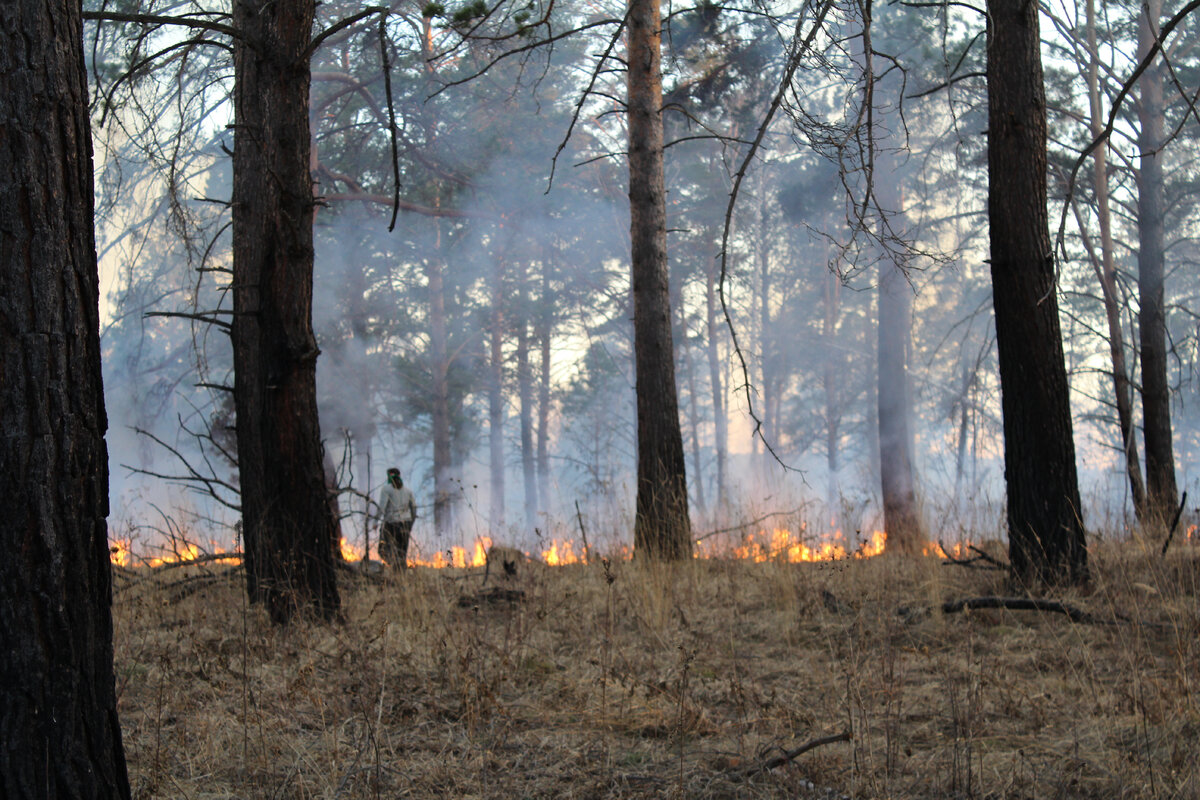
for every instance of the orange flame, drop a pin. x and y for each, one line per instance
(120, 552)
(784, 546)
(560, 553)
(456, 556)
(778, 545)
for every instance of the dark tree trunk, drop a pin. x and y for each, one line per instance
(662, 528)
(286, 518)
(496, 401)
(901, 520)
(1046, 536)
(1152, 322)
(59, 734)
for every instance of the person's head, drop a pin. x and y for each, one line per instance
(393, 476)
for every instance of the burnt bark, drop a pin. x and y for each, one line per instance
(662, 529)
(1161, 491)
(901, 520)
(59, 733)
(286, 517)
(1046, 536)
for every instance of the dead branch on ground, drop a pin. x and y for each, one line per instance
(972, 563)
(1025, 604)
(789, 755)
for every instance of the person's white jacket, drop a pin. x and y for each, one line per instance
(397, 505)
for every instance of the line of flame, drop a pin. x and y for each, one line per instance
(780, 545)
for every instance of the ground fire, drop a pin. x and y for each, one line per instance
(776, 545)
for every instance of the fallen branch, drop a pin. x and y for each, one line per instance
(233, 559)
(980, 555)
(789, 755)
(1024, 604)
(150, 574)
(186, 587)
(1174, 525)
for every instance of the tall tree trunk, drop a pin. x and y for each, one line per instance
(544, 332)
(439, 362)
(1046, 536)
(716, 384)
(662, 528)
(59, 733)
(362, 428)
(439, 343)
(832, 376)
(1107, 274)
(901, 520)
(286, 519)
(694, 426)
(765, 334)
(525, 396)
(496, 401)
(1156, 393)
(964, 417)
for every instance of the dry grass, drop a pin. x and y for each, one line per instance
(633, 681)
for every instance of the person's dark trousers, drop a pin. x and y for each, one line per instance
(393, 545)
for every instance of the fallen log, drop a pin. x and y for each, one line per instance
(1025, 604)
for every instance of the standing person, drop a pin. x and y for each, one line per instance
(397, 510)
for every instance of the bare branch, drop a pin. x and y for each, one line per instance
(793, 63)
(156, 19)
(1117, 103)
(340, 26)
(391, 107)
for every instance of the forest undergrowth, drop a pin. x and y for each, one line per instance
(619, 679)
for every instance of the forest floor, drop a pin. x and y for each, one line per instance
(625, 680)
